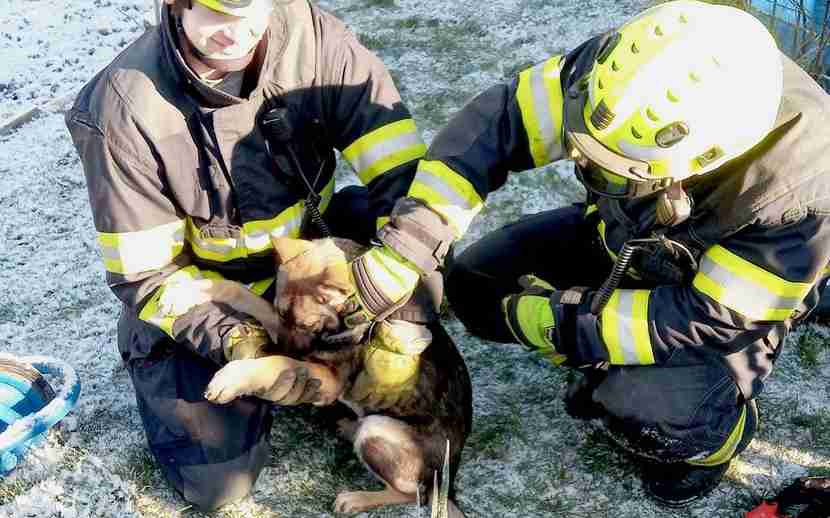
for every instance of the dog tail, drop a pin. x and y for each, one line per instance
(442, 505)
(453, 511)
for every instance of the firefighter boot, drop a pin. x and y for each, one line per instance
(679, 484)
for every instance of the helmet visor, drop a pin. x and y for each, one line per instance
(604, 183)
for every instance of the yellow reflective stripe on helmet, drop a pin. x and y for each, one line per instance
(153, 314)
(447, 193)
(624, 328)
(214, 5)
(727, 451)
(540, 100)
(143, 250)
(746, 288)
(384, 149)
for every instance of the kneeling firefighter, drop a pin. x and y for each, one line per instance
(702, 241)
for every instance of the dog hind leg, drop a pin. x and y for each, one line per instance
(391, 450)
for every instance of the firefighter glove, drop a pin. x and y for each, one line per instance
(383, 281)
(531, 319)
(391, 364)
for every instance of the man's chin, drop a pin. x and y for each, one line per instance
(228, 65)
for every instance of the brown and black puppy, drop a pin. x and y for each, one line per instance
(403, 445)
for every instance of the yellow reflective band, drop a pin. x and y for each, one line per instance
(257, 234)
(326, 195)
(153, 314)
(747, 289)
(624, 328)
(539, 95)
(447, 193)
(381, 221)
(590, 209)
(143, 250)
(385, 149)
(260, 287)
(391, 273)
(727, 451)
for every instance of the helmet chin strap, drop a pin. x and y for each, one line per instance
(673, 205)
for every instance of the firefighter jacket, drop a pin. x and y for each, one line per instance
(759, 233)
(179, 178)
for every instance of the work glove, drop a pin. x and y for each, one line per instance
(383, 282)
(531, 319)
(244, 341)
(391, 364)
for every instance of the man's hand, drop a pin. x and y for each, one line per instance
(530, 318)
(391, 364)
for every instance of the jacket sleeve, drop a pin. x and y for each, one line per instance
(369, 123)
(142, 235)
(746, 288)
(509, 127)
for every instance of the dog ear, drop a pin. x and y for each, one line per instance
(287, 248)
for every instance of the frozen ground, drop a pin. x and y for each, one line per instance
(525, 458)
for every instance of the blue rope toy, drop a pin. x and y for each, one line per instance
(29, 406)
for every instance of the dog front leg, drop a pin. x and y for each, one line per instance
(279, 379)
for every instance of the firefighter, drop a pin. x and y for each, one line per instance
(204, 137)
(704, 233)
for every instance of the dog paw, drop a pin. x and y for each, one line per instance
(230, 382)
(352, 502)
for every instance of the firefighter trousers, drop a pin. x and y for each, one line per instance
(684, 408)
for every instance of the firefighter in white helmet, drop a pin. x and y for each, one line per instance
(702, 239)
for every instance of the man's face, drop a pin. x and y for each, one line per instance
(226, 41)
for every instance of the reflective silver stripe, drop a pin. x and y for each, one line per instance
(378, 152)
(745, 297)
(625, 313)
(109, 252)
(438, 184)
(289, 228)
(211, 246)
(142, 250)
(544, 117)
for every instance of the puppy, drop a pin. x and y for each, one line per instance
(402, 445)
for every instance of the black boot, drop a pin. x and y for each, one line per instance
(679, 484)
